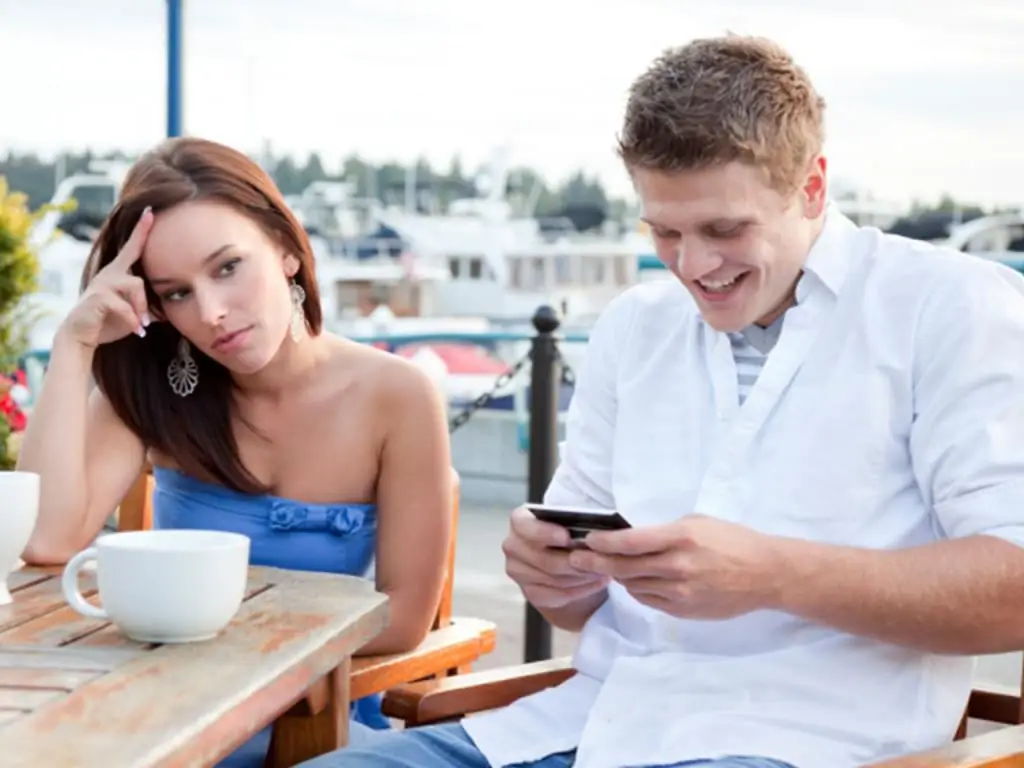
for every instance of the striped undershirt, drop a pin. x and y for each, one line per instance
(750, 348)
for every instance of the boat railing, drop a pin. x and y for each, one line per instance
(393, 341)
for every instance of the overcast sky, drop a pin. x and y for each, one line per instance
(923, 97)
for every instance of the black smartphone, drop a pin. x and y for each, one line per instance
(579, 520)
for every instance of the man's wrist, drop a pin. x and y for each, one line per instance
(795, 569)
(573, 616)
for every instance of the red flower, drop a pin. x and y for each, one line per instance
(16, 418)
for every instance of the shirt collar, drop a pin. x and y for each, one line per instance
(828, 261)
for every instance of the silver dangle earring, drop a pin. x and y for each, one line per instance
(298, 319)
(183, 373)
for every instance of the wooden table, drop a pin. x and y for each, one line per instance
(75, 693)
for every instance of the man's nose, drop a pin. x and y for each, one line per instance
(694, 259)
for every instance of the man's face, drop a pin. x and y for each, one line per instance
(734, 241)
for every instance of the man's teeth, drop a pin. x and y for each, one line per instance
(718, 285)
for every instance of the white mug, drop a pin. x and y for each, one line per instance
(19, 508)
(164, 586)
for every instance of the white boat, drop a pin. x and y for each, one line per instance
(385, 270)
(478, 260)
(863, 207)
(62, 241)
(998, 236)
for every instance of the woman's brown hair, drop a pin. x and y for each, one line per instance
(195, 431)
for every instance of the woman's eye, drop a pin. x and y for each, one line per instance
(229, 266)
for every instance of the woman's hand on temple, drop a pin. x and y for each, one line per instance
(114, 303)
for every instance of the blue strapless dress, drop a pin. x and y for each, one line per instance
(334, 538)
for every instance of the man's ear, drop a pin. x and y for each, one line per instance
(815, 188)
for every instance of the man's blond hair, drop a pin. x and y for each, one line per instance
(722, 99)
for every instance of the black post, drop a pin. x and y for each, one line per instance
(545, 388)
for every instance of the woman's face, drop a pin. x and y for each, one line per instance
(222, 282)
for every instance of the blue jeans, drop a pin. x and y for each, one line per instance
(449, 746)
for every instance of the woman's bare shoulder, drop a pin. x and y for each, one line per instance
(390, 376)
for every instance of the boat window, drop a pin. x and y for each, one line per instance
(622, 270)
(515, 272)
(537, 276)
(94, 199)
(563, 270)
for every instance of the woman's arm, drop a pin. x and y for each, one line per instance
(86, 458)
(414, 500)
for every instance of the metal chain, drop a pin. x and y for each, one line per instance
(568, 378)
(502, 381)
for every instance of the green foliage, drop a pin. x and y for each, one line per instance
(528, 191)
(8, 454)
(19, 273)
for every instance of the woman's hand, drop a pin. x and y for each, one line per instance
(114, 303)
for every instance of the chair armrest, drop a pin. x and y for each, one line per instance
(459, 644)
(449, 698)
(996, 703)
(1002, 748)
(430, 701)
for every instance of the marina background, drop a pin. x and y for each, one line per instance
(454, 166)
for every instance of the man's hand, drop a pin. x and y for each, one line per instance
(535, 561)
(697, 567)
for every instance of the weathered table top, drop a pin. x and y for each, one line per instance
(75, 692)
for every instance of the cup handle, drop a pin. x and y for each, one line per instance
(69, 585)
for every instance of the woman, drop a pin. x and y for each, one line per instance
(201, 323)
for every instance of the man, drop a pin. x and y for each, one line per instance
(817, 433)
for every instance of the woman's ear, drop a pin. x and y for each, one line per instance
(291, 265)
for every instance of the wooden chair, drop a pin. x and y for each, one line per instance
(451, 648)
(440, 700)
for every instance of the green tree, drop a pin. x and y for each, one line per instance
(288, 177)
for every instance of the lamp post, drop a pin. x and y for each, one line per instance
(174, 66)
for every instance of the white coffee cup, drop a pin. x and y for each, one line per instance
(164, 586)
(19, 508)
